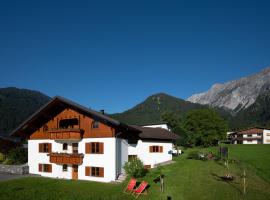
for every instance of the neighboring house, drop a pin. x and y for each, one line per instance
(67, 140)
(253, 135)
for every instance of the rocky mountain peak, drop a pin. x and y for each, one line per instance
(237, 94)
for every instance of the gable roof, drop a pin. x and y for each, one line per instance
(155, 133)
(252, 130)
(57, 105)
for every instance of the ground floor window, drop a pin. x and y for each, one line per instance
(94, 171)
(156, 149)
(45, 168)
(64, 168)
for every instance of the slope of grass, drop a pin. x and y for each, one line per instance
(185, 179)
(256, 157)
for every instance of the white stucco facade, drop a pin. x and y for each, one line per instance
(141, 150)
(266, 136)
(116, 152)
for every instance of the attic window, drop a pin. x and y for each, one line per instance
(45, 128)
(95, 124)
(68, 123)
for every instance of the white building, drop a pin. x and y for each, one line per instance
(254, 135)
(66, 140)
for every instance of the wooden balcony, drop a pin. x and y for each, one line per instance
(66, 134)
(66, 158)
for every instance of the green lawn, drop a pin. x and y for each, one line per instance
(185, 179)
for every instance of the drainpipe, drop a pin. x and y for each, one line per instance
(116, 154)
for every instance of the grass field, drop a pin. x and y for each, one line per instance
(185, 179)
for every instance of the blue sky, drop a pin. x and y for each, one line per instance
(113, 54)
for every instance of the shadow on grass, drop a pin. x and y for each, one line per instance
(231, 183)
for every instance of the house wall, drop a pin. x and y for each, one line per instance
(141, 149)
(106, 160)
(122, 155)
(266, 136)
(253, 135)
(250, 142)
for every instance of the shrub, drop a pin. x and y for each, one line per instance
(2, 157)
(135, 168)
(17, 156)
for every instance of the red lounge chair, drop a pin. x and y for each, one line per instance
(140, 189)
(130, 186)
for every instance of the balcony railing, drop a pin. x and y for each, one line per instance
(66, 134)
(65, 158)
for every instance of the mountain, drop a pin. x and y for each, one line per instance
(258, 114)
(150, 110)
(16, 105)
(235, 95)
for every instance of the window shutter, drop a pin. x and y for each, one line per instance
(101, 148)
(101, 171)
(50, 147)
(87, 171)
(151, 149)
(87, 148)
(40, 167)
(161, 149)
(90, 147)
(49, 168)
(40, 147)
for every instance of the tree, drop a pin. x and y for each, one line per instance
(203, 127)
(171, 119)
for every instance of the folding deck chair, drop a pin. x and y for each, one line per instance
(141, 189)
(130, 186)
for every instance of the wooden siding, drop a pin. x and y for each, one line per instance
(85, 123)
(62, 158)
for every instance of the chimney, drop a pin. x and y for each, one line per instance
(102, 112)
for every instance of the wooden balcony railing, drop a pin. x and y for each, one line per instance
(66, 158)
(66, 134)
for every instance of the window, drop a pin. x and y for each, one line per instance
(45, 147)
(45, 168)
(132, 157)
(94, 147)
(95, 124)
(249, 135)
(45, 128)
(64, 168)
(156, 149)
(94, 171)
(75, 148)
(68, 123)
(65, 146)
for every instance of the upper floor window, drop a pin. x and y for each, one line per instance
(249, 135)
(45, 128)
(65, 146)
(68, 123)
(95, 124)
(94, 147)
(45, 147)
